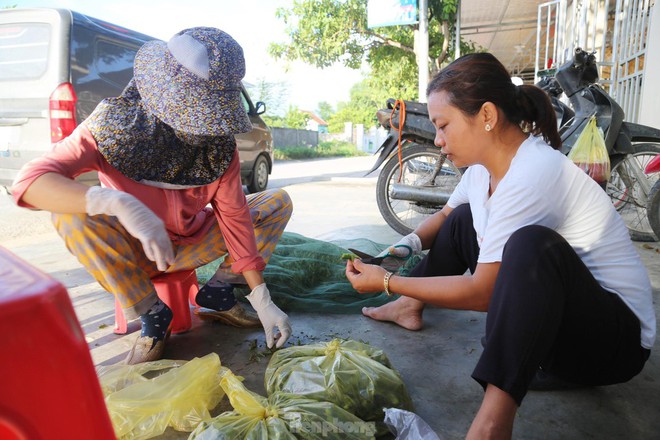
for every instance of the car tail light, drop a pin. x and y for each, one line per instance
(62, 106)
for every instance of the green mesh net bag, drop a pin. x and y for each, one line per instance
(305, 274)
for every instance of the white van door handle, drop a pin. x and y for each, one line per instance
(9, 122)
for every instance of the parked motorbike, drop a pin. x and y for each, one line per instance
(417, 179)
(412, 187)
(653, 207)
(630, 146)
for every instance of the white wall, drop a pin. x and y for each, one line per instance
(372, 139)
(649, 110)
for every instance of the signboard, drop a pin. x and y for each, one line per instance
(382, 13)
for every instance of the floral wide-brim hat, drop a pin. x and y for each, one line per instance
(193, 82)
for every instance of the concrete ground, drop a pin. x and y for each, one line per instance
(332, 201)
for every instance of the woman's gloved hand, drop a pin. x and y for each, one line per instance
(400, 252)
(138, 220)
(270, 315)
(408, 245)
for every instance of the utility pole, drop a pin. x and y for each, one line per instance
(457, 51)
(422, 48)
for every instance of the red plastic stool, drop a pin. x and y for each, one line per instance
(48, 383)
(177, 290)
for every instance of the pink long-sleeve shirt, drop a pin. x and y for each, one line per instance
(184, 211)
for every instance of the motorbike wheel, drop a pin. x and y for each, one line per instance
(423, 167)
(629, 189)
(653, 208)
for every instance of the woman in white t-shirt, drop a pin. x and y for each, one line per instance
(548, 256)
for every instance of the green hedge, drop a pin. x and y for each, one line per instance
(324, 149)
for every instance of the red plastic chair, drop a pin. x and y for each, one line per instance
(48, 383)
(178, 290)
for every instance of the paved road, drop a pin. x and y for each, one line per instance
(292, 172)
(19, 223)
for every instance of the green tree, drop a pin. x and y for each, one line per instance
(294, 118)
(361, 109)
(273, 120)
(325, 32)
(325, 110)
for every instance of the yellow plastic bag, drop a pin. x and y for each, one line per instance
(281, 416)
(144, 399)
(590, 153)
(352, 375)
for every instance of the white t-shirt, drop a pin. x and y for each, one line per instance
(543, 187)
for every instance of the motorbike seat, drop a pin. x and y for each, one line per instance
(412, 107)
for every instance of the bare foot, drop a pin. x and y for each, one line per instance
(404, 311)
(495, 417)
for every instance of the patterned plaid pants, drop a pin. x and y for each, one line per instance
(117, 261)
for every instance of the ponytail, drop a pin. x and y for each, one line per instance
(536, 114)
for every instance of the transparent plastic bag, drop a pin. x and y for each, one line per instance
(590, 153)
(353, 375)
(144, 399)
(408, 426)
(231, 426)
(280, 416)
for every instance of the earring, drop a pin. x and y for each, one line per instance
(488, 127)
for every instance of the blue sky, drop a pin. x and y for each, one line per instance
(251, 22)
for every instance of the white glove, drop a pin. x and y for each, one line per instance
(138, 220)
(394, 264)
(399, 248)
(270, 315)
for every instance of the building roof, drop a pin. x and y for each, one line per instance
(315, 118)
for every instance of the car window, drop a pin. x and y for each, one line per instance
(114, 62)
(246, 104)
(23, 50)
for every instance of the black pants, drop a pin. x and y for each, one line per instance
(546, 311)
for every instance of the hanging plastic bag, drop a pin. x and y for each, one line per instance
(408, 426)
(590, 153)
(280, 416)
(353, 375)
(144, 399)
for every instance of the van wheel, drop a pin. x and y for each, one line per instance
(259, 179)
